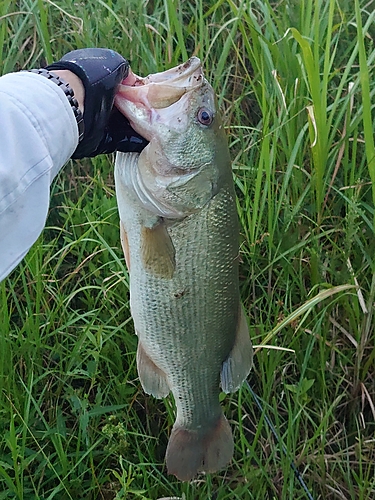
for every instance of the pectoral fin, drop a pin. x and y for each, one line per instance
(237, 366)
(153, 379)
(157, 251)
(125, 245)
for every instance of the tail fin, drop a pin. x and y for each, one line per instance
(206, 449)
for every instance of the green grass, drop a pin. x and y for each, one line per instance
(296, 83)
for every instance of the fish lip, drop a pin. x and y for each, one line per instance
(181, 75)
(174, 76)
(158, 90)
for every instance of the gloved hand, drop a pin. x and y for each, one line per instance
(106, 129)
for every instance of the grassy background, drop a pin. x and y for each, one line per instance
(295, 80)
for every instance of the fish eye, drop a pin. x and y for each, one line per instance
(205, 116)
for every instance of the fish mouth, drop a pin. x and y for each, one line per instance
(160, 90)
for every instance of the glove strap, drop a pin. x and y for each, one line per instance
(68, 91)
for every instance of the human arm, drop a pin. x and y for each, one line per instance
(40, 133)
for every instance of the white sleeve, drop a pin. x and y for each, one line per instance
(38, 134)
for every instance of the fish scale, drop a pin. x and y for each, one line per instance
(166, 324)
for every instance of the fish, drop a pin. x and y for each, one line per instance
(179, 231)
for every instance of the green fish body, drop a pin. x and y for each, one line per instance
(179, 230)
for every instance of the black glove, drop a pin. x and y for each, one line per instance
(106, 129)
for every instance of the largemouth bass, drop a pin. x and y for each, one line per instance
(179, 231)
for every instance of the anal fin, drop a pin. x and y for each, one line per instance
(153, 379)
(238, 364)
(157, 251)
